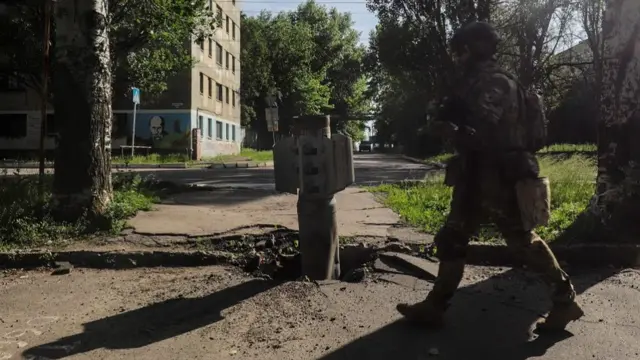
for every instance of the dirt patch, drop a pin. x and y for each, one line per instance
(266, 254)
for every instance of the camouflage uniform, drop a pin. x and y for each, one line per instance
(484, 174)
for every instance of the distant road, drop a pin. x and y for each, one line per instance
(369, 168)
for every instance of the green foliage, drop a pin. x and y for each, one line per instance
(245, 155)
(148, 39)
(410, 64)
(26, 220)
(310, 58)
(426, 204)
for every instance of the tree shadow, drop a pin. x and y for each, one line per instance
(152, 323)
(491, 319)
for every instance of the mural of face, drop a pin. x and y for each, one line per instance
(156, 127)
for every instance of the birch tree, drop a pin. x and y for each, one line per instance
(82, 102)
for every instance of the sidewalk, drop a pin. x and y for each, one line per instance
(201, 213)
(182, 165)
(219, 313)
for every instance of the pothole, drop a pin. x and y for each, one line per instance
(275, 255)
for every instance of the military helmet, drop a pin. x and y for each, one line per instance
(480, 37)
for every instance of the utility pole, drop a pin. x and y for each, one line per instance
(315, 165)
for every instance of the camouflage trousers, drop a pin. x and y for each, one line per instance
(488, 198)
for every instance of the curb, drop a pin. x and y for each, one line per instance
(241, 165)
(116, 260)
(230, 165)
(436, 165)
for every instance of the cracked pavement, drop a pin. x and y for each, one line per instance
(220, 313)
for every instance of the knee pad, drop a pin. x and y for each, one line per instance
(451, 244)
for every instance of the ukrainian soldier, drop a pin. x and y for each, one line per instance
(498, 127)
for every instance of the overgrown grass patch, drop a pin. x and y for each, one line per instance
(244, 155)
(569, 148)
(425, 205)
(27, 221)
(248, 155)
(152, 159)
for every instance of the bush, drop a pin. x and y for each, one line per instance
(26, 220)
(425, 205)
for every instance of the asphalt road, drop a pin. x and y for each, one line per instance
(369, 169)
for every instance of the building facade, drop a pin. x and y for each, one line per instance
(205, 97)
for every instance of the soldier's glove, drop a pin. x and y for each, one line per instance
(444, 128)
(467, 130)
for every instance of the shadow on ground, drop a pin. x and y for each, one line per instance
(487, 320)
(492, 319)
(151, 324)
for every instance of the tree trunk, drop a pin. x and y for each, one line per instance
(82, 102)
(617, 200)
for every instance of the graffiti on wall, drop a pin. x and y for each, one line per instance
(163, 131)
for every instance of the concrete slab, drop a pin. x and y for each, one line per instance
(422, 268)
(213, 212)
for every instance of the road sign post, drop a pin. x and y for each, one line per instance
(271, 114)
(135, 92)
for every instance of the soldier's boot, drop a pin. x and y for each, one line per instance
(430, 312)
(565, 309)
(559, 317)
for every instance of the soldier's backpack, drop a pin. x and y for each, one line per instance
(533, 117)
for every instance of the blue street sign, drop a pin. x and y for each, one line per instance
(136, 95)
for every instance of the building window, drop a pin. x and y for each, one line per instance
(210, 87)
(201, 83)
(10, 82)
(227, 131)
(51, 125)
(210, 48)
(233, 132)
(233, 2)
(233, 30)
(119, 125)
(210, 128)
(201, 44)
(13, 125)
(228, 24)
(200, 124)
(219, 54)
(233, 64)
(233, 98)
(226, 94)
(218, 130)
(226, 60)
(219, 15)
(219, 95)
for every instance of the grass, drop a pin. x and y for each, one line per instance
(26, 221)
(425, 205)
(569, 148)
(554, 148)
(244, 155)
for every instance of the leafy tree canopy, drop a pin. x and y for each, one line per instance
(148, 39)
(311, 60)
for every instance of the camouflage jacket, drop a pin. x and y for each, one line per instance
(487, 101)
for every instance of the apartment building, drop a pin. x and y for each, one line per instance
(205, 98)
